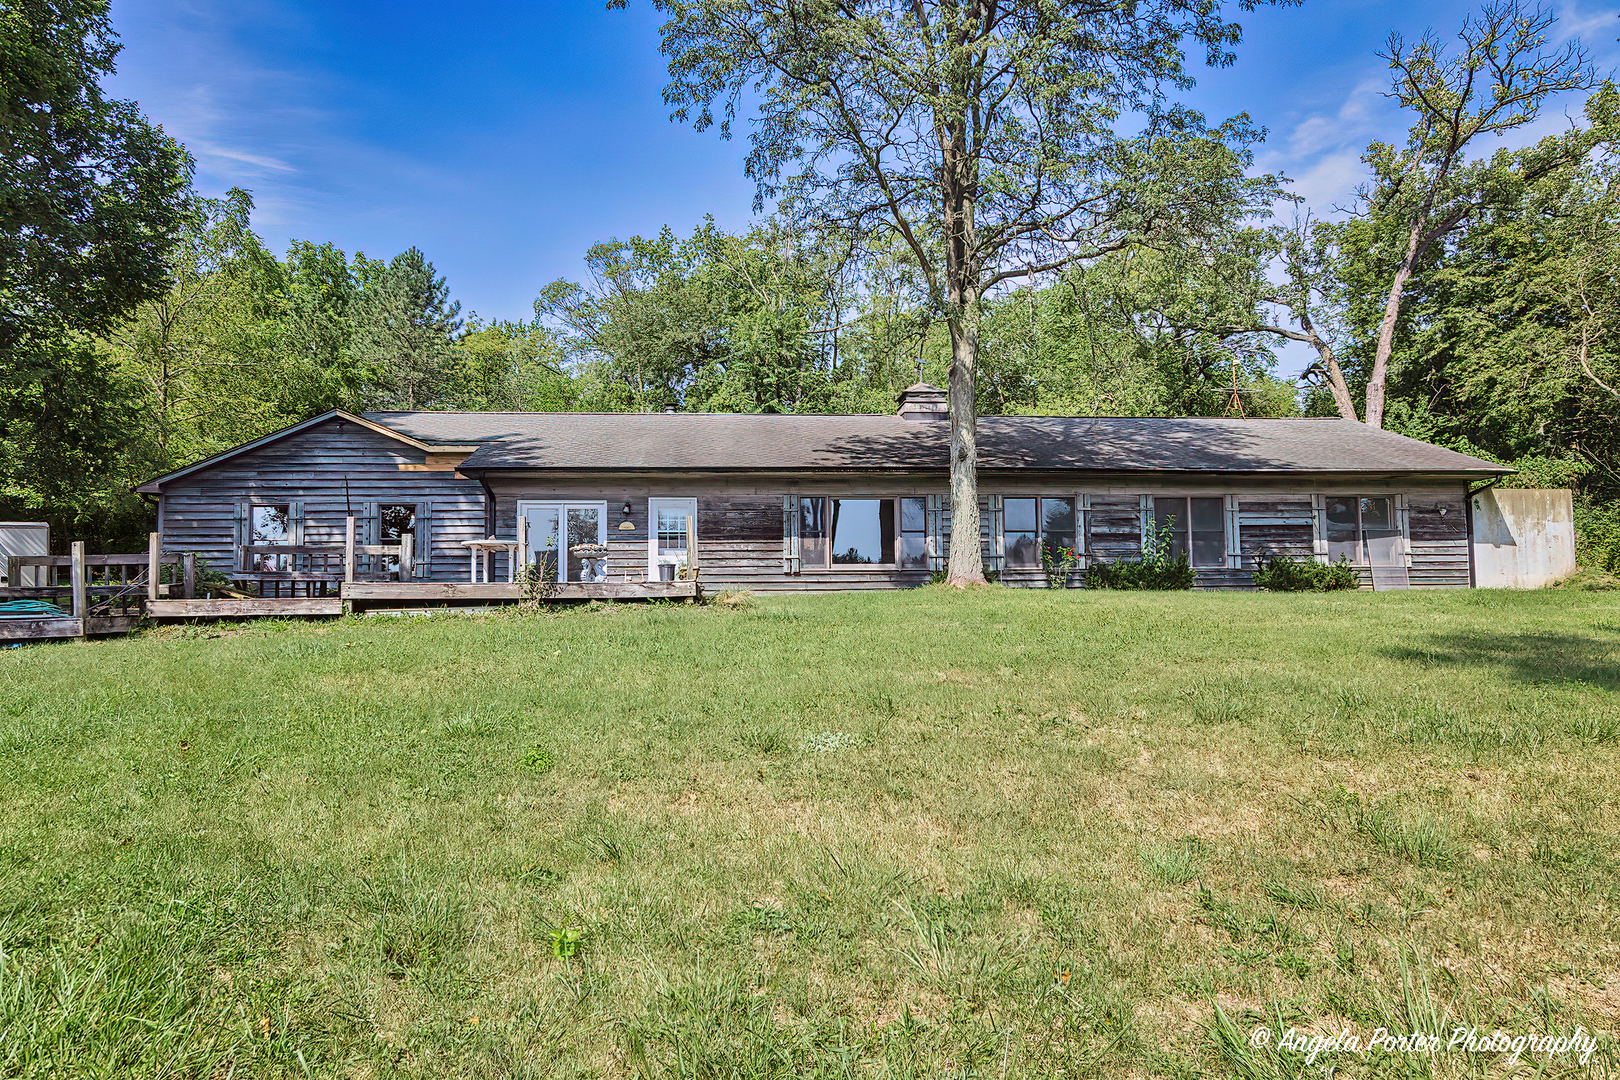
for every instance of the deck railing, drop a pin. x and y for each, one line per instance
(319, 569)
(92, 587)
(87, 585)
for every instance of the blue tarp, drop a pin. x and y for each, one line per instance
(31, 609)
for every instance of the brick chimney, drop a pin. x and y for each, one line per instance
(919, 401)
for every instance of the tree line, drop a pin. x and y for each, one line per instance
(973, 211)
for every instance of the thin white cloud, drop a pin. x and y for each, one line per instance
(202, 148)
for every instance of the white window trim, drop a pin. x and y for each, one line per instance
(563, 506)
(653, 505)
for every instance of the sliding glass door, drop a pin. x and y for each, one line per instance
(556, 528)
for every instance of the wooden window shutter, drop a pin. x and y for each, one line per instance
(1145, 509)
(1319, 527)
(243, 529)
(934, 522)
(422, 549)
(1234, 535)
(790, 535)
(1082, 528)
(368, 530)
(1403, 519)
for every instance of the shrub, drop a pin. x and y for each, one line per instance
(1176, 573)
(1597, 534)
(1156, 569)
(1280, 573)
(1336, 575)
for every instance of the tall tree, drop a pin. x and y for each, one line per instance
(982, 132)
(203, 352)
(92, 196)
(712, 322)
(1498, 80)
(405, 326)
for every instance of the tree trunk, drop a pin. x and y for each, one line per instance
(1336, 384)
(1386, 329)
(967, 560)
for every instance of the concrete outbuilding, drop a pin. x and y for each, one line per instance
(1522, 538)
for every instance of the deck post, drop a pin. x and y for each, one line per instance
(189, 560)
(407, 544)
(154, 563)
(14, 571)
(348, 548)
(520, 557)
(76, 585)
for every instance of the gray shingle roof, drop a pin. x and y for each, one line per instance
(728, 441)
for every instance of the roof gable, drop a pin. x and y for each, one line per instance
(155, 485)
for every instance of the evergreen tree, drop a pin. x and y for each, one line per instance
(405, 326)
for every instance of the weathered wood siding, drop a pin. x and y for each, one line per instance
(740, 539)
(740, 515)
(1116, 527)
(330, 473)
(1439, 541)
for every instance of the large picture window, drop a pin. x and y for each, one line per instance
(1030, 526)
(1196, 527)
(1363, 530)
(852, 533)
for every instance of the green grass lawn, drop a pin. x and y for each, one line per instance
(928, 834)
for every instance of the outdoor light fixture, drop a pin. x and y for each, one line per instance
(626, 525)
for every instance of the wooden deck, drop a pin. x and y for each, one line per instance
(56, 629)
(237, 609)
(358, 595)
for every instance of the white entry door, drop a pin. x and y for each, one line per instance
(555, 527)
(671, 522)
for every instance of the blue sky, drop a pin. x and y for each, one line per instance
(505, 138)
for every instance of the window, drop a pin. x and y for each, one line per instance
(672, 522)
(270, 525)
(1030, 526)
(1362, 530)
(913, 534)
(394, 520)
(1197, 526)
(846, 532)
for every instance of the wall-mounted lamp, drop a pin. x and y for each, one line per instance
(1442, 511)
(626, 525)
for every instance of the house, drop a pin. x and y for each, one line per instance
(820, 503)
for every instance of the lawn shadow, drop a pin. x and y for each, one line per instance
(1527, 656)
